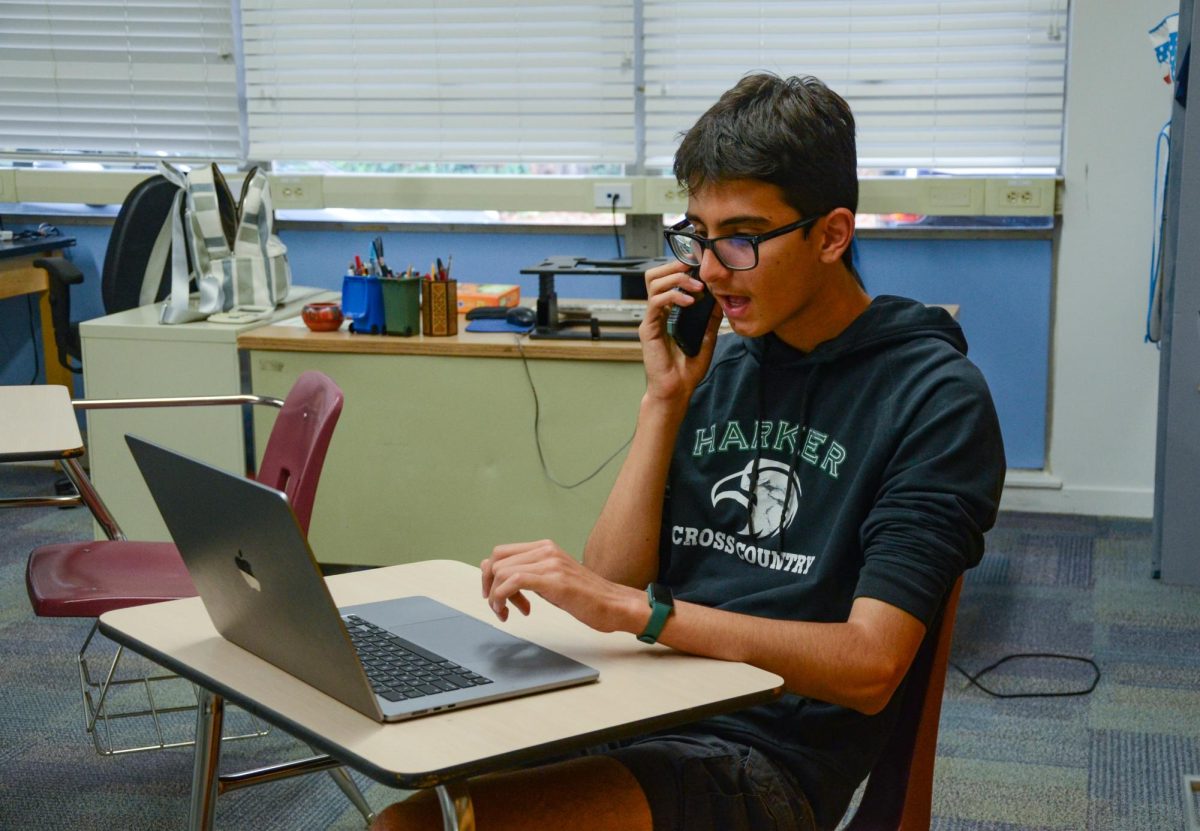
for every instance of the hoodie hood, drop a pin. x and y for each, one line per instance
(888, 321)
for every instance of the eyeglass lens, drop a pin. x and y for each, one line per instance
(733, 252)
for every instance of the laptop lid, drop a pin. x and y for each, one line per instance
(254, 571)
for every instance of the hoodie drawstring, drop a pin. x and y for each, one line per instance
(793, 462)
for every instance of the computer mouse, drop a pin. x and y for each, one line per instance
(521, 316)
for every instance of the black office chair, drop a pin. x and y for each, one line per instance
(140, 242)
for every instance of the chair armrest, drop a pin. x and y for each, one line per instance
(177, 401)
(61, 269)
(93, 499)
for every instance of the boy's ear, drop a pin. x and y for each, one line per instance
(837, 232)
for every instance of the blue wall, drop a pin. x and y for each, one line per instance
(1001, 286)
(17, 352)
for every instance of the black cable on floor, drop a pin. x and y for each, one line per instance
(974, 679)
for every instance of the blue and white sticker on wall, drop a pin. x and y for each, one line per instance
(1165, 37)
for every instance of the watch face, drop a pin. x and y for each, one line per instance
(660, 594)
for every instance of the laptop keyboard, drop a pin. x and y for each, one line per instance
(399, 669)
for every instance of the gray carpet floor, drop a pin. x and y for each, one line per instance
(1113, 759)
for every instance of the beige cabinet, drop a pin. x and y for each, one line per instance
(435, 455)
(131, 355)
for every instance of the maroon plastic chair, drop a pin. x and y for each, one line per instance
(87, 579)
(90, 578)
(899, 792)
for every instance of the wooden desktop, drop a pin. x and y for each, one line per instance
(18, 277)
(641, 688)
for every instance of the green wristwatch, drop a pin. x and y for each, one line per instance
(661, 604)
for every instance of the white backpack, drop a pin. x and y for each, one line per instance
(236, 259)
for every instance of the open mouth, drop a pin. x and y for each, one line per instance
(734, 305)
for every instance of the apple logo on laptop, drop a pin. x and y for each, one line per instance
(247, 573)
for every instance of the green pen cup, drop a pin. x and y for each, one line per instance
(401, 306)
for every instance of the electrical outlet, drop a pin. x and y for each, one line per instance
(297, 191)
(603, 193)
(1022, 198)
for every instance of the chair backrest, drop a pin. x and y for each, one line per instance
(139, 242)
(899, 792)
(134, 235)
(298, 442)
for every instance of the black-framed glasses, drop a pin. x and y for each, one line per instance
(737, 252)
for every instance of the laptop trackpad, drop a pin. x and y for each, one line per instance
(401, 611)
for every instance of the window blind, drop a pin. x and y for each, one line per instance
(482, 81)
(954, 84)
(119, 79)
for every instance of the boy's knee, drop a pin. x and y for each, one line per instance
(419, 811)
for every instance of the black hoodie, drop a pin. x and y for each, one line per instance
(879, 453)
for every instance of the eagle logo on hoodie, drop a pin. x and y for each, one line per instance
(769, 502)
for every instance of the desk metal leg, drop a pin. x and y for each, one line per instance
(457, 812)
(210, 716)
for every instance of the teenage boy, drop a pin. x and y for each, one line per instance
(808, 488)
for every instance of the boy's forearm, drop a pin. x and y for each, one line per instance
(623, 544)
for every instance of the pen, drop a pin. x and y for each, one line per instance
(358, 266)
(377, 247)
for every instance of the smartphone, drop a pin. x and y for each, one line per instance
(687, 324)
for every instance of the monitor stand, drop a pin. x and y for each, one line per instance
(550, 324)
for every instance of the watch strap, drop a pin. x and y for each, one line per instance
(661, 606)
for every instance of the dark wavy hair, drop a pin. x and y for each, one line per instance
(795, 133)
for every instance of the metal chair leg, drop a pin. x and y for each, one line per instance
(458, 814)
(146, 730)
(350, 789)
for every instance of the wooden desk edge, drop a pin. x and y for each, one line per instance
(431, 778)
(280, 338)
(42, 456)
(464, 344)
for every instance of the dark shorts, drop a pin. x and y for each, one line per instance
(698, 782)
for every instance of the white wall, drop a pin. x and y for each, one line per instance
(1104, 379)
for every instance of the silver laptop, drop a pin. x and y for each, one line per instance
(258, 579)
